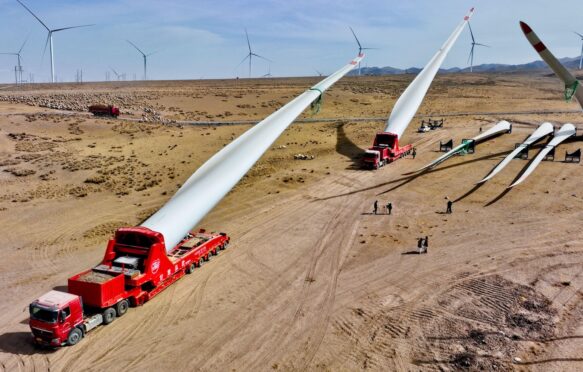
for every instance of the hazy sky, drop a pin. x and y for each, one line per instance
(200, 38)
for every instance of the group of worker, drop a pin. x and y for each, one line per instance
(388, 207)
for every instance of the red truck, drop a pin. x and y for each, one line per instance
(104, 110)
(384, 150)
(135, 268)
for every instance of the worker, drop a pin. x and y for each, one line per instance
(426, 243)
(375, 206)
(389, 208)
(419, 245)
(449, 204)
(414, 153)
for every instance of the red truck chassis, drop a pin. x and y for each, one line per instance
(134, 269)
(384, 150)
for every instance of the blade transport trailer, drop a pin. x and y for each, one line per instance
(134, 269)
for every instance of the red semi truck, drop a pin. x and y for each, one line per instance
(104, 110)
(384, 150)
(134, 269)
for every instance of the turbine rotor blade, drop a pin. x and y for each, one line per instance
(484, 45)
(68, 28)
(244, 59)
(357, 41)
(23, 44)
(135, 46)
(258, 56)
(248, 42)
(581, 36)
(46, 44)
(34, 15)
(470, 57)
(471, 33)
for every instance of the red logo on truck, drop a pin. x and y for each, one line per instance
(155, 266)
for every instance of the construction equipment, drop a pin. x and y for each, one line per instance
(104, 110)
(385, 147)
(134, 269)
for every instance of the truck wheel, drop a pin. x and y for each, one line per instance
(190, 268)
(200, 261)
(122, 307)
(74, 336)
(207, 257)
(108, 315)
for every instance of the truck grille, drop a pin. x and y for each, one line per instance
(42, 333)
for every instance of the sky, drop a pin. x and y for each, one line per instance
(206, 39)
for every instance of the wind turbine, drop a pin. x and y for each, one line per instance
(251, 54)
(18, 73)
(115, 73)
(318, 72)
(471, 57)
(580, 58)
(360, 48)
(145, 59)
(50, 37)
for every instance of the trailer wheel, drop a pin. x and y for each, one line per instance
(122, 307)
(207, 257)
(190, 268)
(108, 315)
(74, 336)
(200, 261)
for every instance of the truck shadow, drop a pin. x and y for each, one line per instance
(19, 343)
(344, 146)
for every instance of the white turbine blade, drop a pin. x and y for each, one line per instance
(68, 28)
(409, 102)
(471, 33)
(248, 42)
(258, 56)
(560, 70)
(501, 127)
(484, 45)
(542, 131)
(46, 44)
(470, 59)
(565, 132)
(34, 15)
(23, 44)
(135, 46)
(244, 59)
(357, 41)
(215, 178)
(581, 36)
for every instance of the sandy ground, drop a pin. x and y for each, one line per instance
(313, 280)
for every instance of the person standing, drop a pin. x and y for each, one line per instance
(389, 208)
(426, 244)
(414, 153)
(449, 205)
(375, 206)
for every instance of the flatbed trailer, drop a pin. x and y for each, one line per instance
(384, 150)
(135, 268)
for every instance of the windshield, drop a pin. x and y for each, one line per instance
(43, 314)
(369, 155)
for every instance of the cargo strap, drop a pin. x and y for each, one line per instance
(570, 90)
(317, 103)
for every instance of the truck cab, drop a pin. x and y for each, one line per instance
(55, 318)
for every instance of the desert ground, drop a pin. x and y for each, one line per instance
(312, 280)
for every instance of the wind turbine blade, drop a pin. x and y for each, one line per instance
(484, 45)
(357, 41)
(135, 46)
(258, 56)
(581, 36)
(409, 102)
(46, 44)
(34, 15)
(23, 44)
(370, 48)
(154, 52)
(248, 42)
(68, 28)
(568, 79)
(471, 54)
(471, 33)
(215, 178)
(243, 60)
(11, 54)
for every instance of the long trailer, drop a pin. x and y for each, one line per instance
(104, 110)
(384, 150)
(134, 269)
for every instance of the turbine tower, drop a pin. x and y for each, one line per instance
(360, 48)
(471, 57)
(580, 58)
(251, 54)
(145, 59)
(50, 37)
(18, 70)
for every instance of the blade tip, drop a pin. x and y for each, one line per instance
(525, 28)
